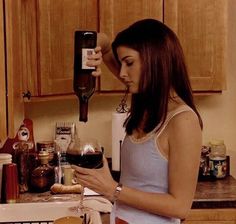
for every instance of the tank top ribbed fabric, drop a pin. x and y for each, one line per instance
(144, 167)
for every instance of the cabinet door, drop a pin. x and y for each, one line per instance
(14, 65)
(201, 28)
(3, 117)
(207, 216)
(117, 15)
(57, 21)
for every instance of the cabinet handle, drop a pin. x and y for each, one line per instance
(27, 95)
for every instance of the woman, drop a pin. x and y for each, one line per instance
(161, 151)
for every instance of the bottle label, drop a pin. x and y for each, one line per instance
(218, 167)
(85, 53)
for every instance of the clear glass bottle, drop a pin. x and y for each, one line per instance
(217, 159)
(43, 177)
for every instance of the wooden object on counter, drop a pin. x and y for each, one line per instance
(63, 189)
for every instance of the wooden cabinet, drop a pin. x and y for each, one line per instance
(49, 42)
(11, 70)
(201, 27)
(211, 216)
(3, 117)
(48, 27)
(117, 15)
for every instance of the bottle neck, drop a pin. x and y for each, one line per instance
(83, 111)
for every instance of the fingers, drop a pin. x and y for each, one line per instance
(105, 163)
(95, 60)
(97, 72)
(80, 169)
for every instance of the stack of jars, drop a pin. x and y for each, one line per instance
(217, 159)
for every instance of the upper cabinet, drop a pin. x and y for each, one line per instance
(3, 109)
(117, 15)
(201, 27)
(11, 69)
(49, 42)
(48, 38)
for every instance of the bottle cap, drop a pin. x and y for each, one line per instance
(43, 156)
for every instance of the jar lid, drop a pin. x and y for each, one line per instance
(217, 142)
(5, 156)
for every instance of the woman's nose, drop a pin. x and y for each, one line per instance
(123, 73)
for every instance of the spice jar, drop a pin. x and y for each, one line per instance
(217, 159)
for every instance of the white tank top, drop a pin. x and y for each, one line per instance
(144, 167)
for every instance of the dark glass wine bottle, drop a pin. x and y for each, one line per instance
(84, 82)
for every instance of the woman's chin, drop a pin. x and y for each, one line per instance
(132, 90)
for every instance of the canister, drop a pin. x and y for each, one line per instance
(5, 158)
(217, 159)
(10, 184)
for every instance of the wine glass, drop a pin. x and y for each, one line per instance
(88, 153)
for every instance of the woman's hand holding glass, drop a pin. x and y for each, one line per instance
(98, 180)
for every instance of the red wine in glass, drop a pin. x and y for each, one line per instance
(91, 160)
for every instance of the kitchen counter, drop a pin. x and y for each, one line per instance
(219, 195)
(209, 194)
(216, 194)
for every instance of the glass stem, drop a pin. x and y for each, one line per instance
(81, 205)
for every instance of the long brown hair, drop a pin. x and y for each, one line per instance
(163, 69)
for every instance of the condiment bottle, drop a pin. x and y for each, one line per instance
(42, 177)
(84, 82)
(217, 159)
(22, 159)
(10, 185)
(5, 158)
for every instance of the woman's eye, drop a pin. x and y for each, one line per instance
(129, 63)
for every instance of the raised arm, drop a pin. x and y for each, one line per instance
(107, 54)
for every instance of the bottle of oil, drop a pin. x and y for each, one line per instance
(84, 82)
(43, 177)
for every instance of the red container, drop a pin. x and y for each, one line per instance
(10, 185)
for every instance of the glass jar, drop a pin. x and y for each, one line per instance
(217, 159)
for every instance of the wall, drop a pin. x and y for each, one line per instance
(218, 111)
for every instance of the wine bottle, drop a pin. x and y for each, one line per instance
(84, 82)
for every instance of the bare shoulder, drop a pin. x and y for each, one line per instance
(184, 130)
(185, 121)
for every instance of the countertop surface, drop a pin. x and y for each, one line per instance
(209, 194)
(216, 194)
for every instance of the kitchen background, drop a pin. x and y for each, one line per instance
(218, 110)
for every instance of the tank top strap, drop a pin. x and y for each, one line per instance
(171, 114)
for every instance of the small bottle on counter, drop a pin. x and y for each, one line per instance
(217, 159)
(21, 158)
(43, 177)
(5, 158)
